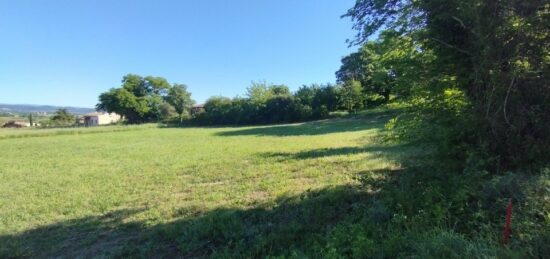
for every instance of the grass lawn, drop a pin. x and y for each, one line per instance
(192, 192)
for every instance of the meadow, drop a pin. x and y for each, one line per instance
(330, 188)
(149, 190)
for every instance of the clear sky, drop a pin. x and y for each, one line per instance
(66, 52)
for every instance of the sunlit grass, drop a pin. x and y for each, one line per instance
(6, 133)
(169, 174)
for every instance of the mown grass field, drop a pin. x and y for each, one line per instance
(143, 191)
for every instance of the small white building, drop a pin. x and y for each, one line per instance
(101, 118)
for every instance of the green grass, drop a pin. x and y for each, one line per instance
(6, 133)
(59, 188)
(329, 188)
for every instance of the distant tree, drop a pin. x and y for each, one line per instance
(322, 99)
(306, 94)
(217, 109)
(62, 117)
(351, 96)
(268, 103)
(389, 65)
(125, 103)
(284, 108)
(180, 99)
(354, 67)
(31, 120)
(279, 90)
(167, 111)
(328, 96)
(139, 99)
(260, 92)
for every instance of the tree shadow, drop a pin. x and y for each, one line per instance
(84, 237)
(388, 215)
(292, 223)
(305, 225)
(376, 218)
(360, 123)
(390, 151)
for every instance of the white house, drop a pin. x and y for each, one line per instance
(101, 118)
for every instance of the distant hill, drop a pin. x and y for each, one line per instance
(27, 108)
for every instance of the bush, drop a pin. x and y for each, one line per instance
(270, 104)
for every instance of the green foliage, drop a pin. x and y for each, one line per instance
(61, 117)
(266, 104)
(493, 51)
(435, 120)
(259, 92)
(321, 189)
(143, 99)
(180, 99)
(391, 65)
(351, 96)
(322, 99)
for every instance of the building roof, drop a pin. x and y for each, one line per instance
(94, 113)
(98, 114)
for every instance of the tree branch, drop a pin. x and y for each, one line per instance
(451, 46)
(506, 100)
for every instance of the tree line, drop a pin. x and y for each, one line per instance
(473, 74)
(269, 103)
(153, 99)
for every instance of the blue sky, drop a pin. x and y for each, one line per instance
(66, 52)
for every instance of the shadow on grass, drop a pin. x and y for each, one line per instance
(294, 223)
(360, 123)
(391, 214)
(296, 226)
(84, 237)
(390, 151)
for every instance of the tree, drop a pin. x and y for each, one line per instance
(139, 99)
(180, 99)
(62, 117)
(260, 92)
(125, 103)
(31, 120)
(306, 94)
(385, 66)
(321, 99)
(328, 96)
(494, 52)
(351, 96)
(279, 90)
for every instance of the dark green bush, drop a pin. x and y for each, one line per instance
(265, 107)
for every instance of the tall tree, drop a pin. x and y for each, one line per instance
(494, 51)
(63, 117)
(180, 99)
(351, 96)
(387, 65)
(139, 99)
